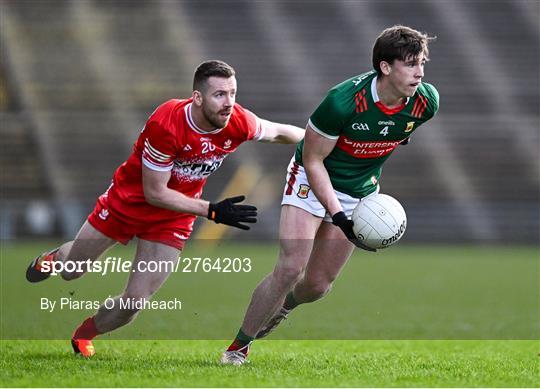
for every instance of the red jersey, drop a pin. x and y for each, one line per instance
(171, 141)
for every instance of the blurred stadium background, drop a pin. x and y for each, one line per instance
(79, 78)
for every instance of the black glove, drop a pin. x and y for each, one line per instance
(227, 212)
(346, 224)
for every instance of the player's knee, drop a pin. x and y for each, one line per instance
(288, 276)
(317, 289)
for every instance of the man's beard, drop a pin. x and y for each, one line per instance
(212, 119)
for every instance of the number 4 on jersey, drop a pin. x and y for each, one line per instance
(384, 131)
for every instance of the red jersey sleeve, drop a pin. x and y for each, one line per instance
(159, 147)
(249, 122)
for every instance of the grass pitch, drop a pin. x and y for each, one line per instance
(274, 364)
(483, 301)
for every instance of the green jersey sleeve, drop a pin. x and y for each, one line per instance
(432, 96)
(330, 116)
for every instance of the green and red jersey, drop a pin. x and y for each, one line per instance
(366, 131)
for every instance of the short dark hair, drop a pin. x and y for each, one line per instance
(399, 42)
(212, 68)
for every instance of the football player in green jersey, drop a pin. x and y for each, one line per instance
(350, 135)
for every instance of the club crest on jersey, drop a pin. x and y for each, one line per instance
(187, 148)
(303, 191)
(227, 144)
(410, 126)
(103, 214)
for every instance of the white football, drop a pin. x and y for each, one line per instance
(379, 221)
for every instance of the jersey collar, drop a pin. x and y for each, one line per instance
(192, 124)
(380, 105)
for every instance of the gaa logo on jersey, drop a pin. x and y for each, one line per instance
(303, 191)
(360, 127)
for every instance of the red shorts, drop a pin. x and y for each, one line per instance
(173, 232)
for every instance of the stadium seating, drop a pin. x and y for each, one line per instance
(88, 73)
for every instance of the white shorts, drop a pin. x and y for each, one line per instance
(297, 192)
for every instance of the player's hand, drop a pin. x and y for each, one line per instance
(346, 225)
(227, 212)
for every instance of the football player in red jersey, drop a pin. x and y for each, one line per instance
(156, 194)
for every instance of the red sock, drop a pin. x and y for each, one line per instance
(87, 330)
(237, 345)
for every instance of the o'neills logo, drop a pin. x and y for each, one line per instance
(392, 239)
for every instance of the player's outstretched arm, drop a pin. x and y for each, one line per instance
(158, 194)
(280, 133)
(227, 211)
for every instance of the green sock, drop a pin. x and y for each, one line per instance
(290, 302)
(243, 338)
